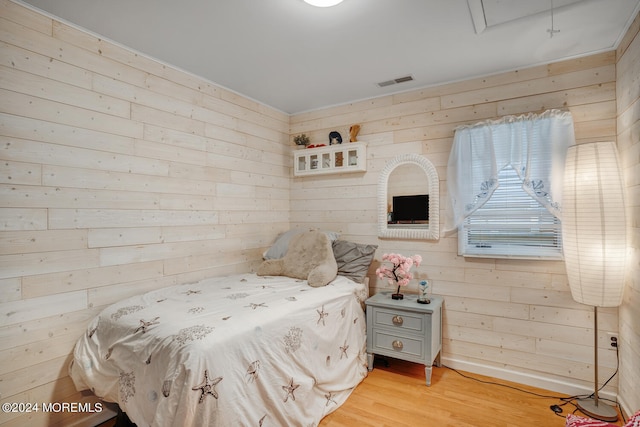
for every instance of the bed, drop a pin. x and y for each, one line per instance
(228, 351)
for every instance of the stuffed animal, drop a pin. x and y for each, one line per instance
(353, 133)
(335, 138)
(309, 256)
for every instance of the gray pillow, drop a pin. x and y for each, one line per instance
(280, 246)
(353, 259)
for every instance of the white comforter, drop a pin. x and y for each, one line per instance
(230, 351)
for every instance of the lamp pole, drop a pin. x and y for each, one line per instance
(592, 406)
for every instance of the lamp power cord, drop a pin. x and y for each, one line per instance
(565, 400)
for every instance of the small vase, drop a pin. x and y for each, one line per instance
(424, 295)
(397, 295)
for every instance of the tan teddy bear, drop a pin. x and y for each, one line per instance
(309, 256)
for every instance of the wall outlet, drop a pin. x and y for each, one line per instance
(613, 340)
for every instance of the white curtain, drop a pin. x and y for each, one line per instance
(534, 145)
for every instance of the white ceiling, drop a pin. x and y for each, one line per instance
(296, 57)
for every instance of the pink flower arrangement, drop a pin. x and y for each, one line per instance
(399, 273)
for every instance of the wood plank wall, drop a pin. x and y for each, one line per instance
(119, 174)
(507, 318)
(628, 106)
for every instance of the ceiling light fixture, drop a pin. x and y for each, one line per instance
(323, 3)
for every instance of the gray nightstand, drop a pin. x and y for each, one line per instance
(405, 329)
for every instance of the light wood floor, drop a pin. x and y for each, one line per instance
(396, 396)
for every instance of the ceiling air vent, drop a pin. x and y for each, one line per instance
(395, 81)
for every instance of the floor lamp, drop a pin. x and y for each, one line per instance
(594, 240)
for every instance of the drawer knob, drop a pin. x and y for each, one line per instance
(397, 320)
(397, 345)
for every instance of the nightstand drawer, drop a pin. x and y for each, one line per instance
(402, 320)
(388, 343)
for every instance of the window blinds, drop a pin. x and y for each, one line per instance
(511, 224)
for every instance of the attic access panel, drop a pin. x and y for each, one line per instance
(489, 13)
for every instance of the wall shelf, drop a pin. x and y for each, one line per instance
(340, 158)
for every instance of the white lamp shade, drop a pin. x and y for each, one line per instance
(593, 224)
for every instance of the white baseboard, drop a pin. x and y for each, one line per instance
(545, 382)
(627, 409)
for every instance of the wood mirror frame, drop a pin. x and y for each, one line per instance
(430, 232)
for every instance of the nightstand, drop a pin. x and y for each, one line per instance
(405, 329)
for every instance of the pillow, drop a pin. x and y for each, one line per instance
(577, 421)
(280, 246)
(353, 259)
(309, 257)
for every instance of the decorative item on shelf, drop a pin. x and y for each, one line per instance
(335, 138)
(301, 139)
(400, 272)
(424, 297)
(353, 133)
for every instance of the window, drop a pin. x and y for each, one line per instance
(511, 224)
(505, 185)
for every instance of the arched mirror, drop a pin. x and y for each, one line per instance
(409, 199)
